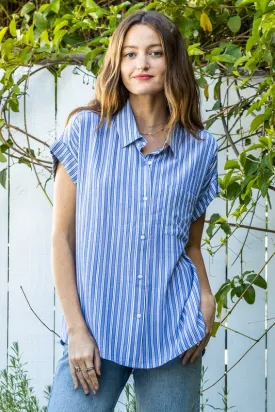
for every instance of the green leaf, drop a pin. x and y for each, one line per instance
(14, 105)
(227, 178)
(221, 296)
(232, 294)
(267, 161)
(216, 51)
(209, 230)
(12, 27)
(254, 147)
(58, 37)
(55, 6)
(217, 105)
(242, 158)
(40, 21)
(259, 120)
(90, 57)
(25, 161)
(223, 58)
(151, 6)
(244, 2)
(211, 68)
(3, 158)
(265, 141)
(226, 228)
(247, 272)
(251, 165)
(231, 164)
(60, 26)
(91, 4)
(249, 295)
(249, 187)
(195, 52)
(202, 82)
(134, 8)
(234, 179)
(3, 177)
(233, 191)
(217, 89)
(264, 189)
(259, 281)
(215, 328)
(27, 8)
(219, 308)
(241, 60)
(2, 33)
(214, 217)
(234, 23)
(239, 290)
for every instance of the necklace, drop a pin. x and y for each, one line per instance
(154, 132)
(165, 141)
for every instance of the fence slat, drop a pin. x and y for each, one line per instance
(30, 223)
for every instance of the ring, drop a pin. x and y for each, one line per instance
(77, 369)
(90, 368)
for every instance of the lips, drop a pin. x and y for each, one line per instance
(143, 77)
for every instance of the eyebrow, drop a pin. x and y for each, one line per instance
(135, 47)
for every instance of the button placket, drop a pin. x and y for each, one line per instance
(145, 226)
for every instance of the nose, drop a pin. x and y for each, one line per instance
(142, 62)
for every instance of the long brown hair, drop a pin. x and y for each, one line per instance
(180, 86)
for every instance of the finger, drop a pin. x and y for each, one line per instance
(187, 355)
(89, 376)
(97, 362)
(83, 382)
(197, 352)
(85, 375)
(74, 377)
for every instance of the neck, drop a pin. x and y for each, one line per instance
(149, 111)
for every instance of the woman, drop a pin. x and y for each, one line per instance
(134, 173)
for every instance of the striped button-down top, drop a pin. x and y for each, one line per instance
(139, 291)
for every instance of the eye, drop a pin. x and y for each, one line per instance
(129, 53)
(158, 52)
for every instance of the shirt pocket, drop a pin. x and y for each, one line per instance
(178, 203)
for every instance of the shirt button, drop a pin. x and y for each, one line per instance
(149, 162)
(138, 315)
(142, 237)
(145, 198)
(140, 276)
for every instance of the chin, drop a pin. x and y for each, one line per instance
(143, 91)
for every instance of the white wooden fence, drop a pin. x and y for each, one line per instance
(25, 230)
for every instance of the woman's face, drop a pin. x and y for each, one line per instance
(142, 53)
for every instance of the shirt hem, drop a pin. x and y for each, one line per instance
(123, 362)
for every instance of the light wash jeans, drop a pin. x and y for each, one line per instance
(172, 387)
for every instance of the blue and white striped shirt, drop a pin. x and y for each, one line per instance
(139, 291)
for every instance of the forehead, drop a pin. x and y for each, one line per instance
(140, 35)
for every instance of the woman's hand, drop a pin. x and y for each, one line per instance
(84, 353)
(208, 309)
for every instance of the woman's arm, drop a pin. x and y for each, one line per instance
(193, 250)
(207, 300)
(63, 247)
(83, 349)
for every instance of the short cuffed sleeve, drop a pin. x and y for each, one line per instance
(65, 149)
(210, 187)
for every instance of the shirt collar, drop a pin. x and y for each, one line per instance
(127, 128)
